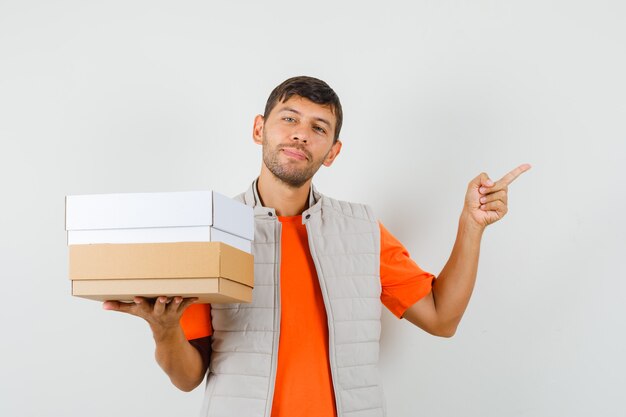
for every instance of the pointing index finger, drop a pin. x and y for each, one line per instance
(511, 176)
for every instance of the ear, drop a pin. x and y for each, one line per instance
(257, 129)
(332, 154)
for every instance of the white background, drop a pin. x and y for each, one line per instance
(138, 96)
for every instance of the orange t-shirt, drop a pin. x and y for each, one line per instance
(303, 380)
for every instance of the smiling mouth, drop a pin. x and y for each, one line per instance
(294, 153)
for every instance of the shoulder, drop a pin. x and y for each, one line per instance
(247, 197)
(347, 208)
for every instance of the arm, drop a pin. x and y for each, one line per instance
(440, 312)
(184, 362)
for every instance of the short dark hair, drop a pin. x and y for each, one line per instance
(310, 88)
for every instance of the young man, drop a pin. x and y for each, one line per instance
(308, 343)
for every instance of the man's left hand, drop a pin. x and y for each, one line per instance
(486, 201)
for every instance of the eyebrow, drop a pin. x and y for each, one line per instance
(319, 119)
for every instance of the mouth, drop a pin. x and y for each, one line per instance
(295, 153)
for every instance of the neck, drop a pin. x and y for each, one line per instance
(286, 200)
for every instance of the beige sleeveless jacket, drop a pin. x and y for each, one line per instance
(344, 240)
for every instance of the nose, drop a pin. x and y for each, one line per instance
(299, 135)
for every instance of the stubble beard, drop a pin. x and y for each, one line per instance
(287, 173)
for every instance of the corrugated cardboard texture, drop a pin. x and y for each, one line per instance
(161, 260)
(208, 290)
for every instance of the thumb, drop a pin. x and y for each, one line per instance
(482, 180)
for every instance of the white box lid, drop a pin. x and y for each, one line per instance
(173, 209)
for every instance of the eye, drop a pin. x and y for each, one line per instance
(319, 129)
(289, 119)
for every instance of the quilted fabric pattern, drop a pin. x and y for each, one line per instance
(345, 246)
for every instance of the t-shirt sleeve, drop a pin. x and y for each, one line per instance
(403, 282)
(196, 321)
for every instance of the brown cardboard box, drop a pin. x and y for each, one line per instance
(212, 271)
(208, 290)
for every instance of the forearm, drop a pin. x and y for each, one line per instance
(180, 360)
(440, 311)
(453, 288)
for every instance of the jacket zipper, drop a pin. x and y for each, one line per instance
(331, 334)
(277, 314)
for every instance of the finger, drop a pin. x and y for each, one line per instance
(497, 206)
(485, 181)
(140, 307)
(186, 302)
(173, 305)
(498, 195)
(482, 183)
(113, 305)
(159, 305)
(511, 176)
(180, 304)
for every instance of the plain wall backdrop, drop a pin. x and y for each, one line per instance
(140, 96)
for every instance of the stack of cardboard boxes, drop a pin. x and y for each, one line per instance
(190, 244)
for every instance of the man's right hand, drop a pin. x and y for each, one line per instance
(162, 314)
(183, 362)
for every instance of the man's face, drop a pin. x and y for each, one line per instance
(297, 139)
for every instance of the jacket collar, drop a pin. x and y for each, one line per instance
(252, 199)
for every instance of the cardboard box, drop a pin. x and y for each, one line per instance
(161, 260)
(159, 210)
(158, 234)
(208, 290)
(213, 271)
